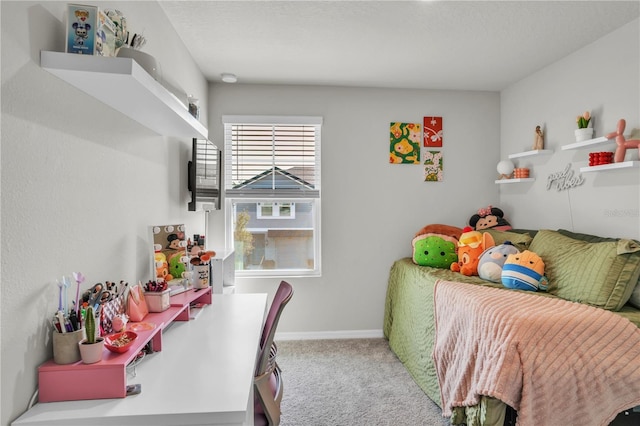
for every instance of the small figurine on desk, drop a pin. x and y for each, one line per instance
(538, 142)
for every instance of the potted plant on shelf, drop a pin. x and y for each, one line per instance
(91, 346)
(583, 132)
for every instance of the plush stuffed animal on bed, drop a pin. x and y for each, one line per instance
(490, 217)
(524, 271)
(435, 250)
(436, 246)
(470, 246)
(492, 260)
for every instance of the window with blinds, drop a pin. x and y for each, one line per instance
(272, 194)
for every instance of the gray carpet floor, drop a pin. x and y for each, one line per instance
(350, 382)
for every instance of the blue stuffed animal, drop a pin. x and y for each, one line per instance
(492, 260)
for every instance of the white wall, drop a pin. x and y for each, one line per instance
(370, 208)
(80, 182)
(603, 78)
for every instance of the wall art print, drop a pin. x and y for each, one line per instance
(433, 166)
(405, 143)
(432, 132)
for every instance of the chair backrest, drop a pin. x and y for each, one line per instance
(281, 298)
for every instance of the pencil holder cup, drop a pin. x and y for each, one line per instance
(65, 347)
(201, 276)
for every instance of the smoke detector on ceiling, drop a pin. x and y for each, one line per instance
(229, 78)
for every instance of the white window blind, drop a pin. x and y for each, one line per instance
(272, 156)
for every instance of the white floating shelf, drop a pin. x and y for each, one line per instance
(520, 180)
(612, 166)
(530, 153)
(125, 86)
(589, 142)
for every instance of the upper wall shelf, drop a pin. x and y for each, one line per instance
(530, 153)
(588, 142)
(125, 86)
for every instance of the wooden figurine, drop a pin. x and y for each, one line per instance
(538, 142)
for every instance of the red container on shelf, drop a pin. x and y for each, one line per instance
(521, 173)
(599, 158)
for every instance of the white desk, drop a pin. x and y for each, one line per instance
(202, 376)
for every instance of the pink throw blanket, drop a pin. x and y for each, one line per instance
(555, 362)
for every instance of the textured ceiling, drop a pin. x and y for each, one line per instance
(466, 45)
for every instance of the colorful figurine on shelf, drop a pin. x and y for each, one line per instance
(538, 142)
(622, 142)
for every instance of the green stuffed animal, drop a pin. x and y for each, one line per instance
(176, 267)
(435, 250)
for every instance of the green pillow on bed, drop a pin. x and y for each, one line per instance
(599, 271)
(520, 240)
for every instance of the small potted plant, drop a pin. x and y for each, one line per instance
(583, 132)
(91, 346)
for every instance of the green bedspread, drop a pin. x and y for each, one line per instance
(409, 318)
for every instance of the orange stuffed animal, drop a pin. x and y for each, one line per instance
(470, 246)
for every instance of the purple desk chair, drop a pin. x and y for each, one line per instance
(267, 383)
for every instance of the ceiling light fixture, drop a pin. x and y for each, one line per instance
(229, 78)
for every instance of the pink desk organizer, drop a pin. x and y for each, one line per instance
(108, 377)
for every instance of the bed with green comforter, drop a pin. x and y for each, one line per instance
(410, 329)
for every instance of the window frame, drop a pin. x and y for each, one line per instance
(302, 195)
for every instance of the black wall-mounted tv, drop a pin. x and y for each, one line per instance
(204, 176)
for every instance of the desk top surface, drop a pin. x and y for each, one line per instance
(203, 375)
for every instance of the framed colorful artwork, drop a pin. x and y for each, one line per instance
(433, 166)
(432, 132)
(404, 141)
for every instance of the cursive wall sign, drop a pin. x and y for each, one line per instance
(564, 179)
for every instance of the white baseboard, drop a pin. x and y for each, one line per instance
(324, 335)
